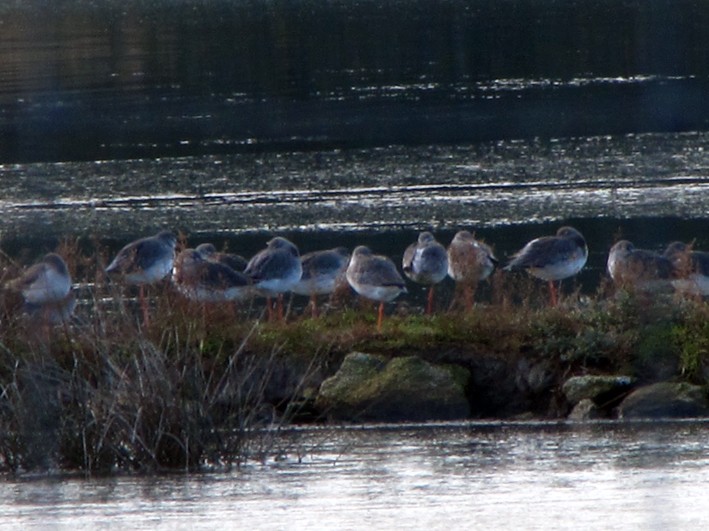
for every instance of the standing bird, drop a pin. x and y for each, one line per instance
(47, 281)
(552, 258)
(426, 262)
(469, 262)
(274, 271)
(322, 271)
(639, 268)
(691, 268)
(374, 277)
(145, 261)
(52, 313)
(204, 281)
(209, 252)
(46, 289)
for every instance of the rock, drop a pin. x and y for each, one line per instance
(368, 387)
(277, 379)
(600, 389)
(586, 409)
(665, 400)
(495, 389)
(535, 377)
(656, 357)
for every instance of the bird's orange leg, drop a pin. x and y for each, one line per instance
(380, 318)
(269, 308)
(280, 306)
(144, 307)
(314, 306)
(429, 305)
(553, 293)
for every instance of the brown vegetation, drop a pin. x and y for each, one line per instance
(212, 384)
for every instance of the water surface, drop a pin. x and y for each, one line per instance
(473, 475)
(346, 122)
(107, 79)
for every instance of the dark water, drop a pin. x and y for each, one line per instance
(107, 79)
(466, 476)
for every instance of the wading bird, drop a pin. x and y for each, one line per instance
(426, 262)
(47, 281)
(691, 268)
(204, 281)
(274, 271)
(552, 258)
(209, 252)
(145, 261)
(374, 277)
(469, 262)
(322, 272)
(46, 289)
(638, 268)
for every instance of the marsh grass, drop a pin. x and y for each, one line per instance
(124, 402)
(213, 385)
(107, 392)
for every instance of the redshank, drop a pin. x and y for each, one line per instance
(552, 258)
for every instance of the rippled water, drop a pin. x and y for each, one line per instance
(107, 79)
(480, 186)
(649, 188)
(473, 476)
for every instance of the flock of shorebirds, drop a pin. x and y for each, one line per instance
(205, 275)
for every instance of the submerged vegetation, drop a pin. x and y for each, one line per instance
(212, 385)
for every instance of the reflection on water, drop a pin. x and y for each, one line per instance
(531, 476)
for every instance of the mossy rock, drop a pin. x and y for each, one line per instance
(374, 388)
(585, 410)
(665, 400)
(599, 388)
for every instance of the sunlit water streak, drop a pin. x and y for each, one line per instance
(481, 186)
(476, 476)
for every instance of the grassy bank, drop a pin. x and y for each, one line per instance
(212, 385)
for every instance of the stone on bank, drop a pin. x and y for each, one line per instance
(665, 400)
(601, 389)
(375, 388)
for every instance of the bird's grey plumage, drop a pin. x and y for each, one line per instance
(46, 281)
(691, 268)
(426, 261)
(552, 257)
(641, 268)
(374, 276)
(321, 271)
(683, 256)
(146, 260)
(209, 252)
(202, 280)
(277, 268)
